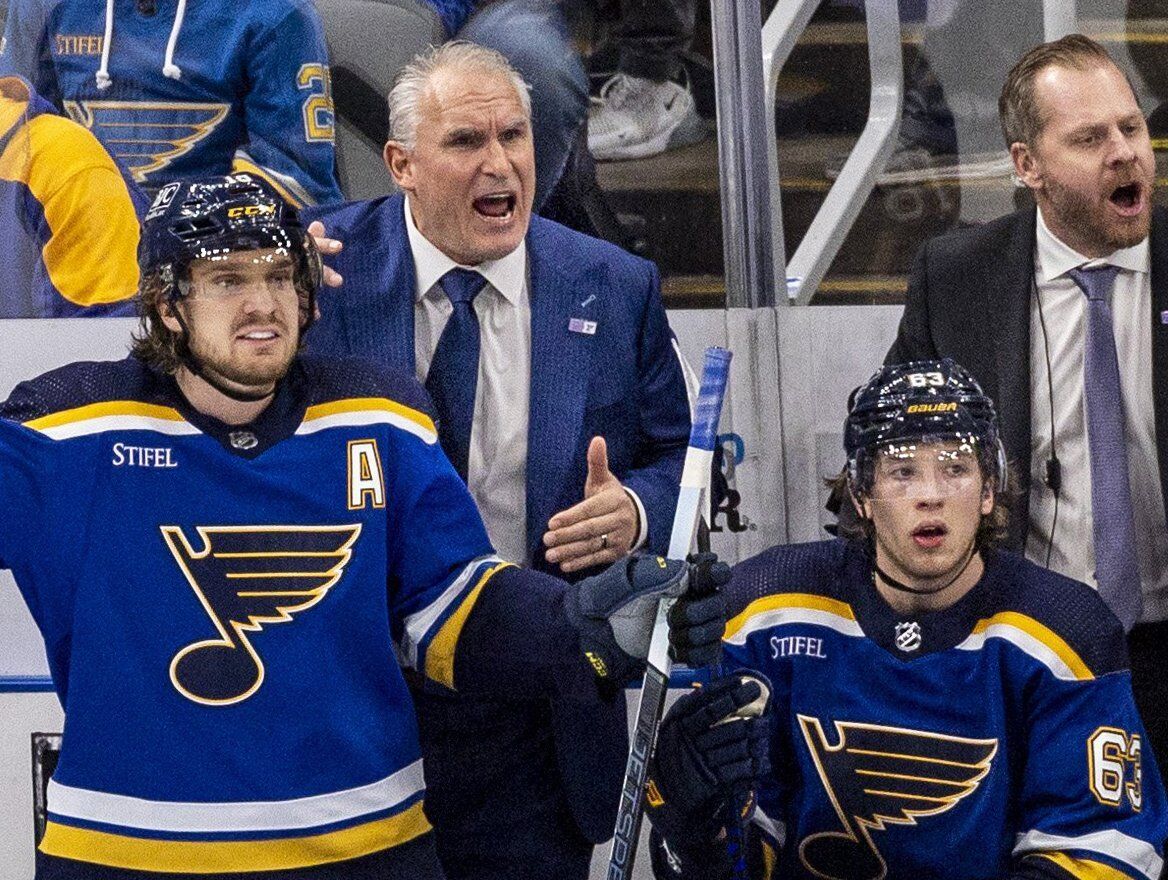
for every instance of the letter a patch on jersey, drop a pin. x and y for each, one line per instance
(877, 776)
(366, 476)
(246, 577)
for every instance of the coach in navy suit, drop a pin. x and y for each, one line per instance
(580, 421)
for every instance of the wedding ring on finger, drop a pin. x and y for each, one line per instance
(604, 541)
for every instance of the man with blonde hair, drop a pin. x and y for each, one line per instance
(1037, 305)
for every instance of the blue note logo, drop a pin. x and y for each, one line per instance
(876, 776)
(247, 577)
(146, 136)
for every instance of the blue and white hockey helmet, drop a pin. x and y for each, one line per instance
(919, 403)
(212, 217)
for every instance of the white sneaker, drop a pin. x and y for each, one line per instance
(634, 118)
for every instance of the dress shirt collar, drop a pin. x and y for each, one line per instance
(508, 274)
(1056, 258)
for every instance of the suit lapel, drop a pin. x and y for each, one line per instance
(394, 343)
(561, 364)
(1159, 249)
(1008, 318)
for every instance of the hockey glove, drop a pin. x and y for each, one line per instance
(614, 612)
(707, 756)
(698, 618)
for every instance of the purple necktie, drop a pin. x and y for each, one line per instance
(454, 371)
(1117, 569)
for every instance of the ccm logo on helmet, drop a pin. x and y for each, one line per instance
(932, 407)
(250, 211)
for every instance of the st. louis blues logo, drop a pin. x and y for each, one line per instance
(146, 136)
(246, 577)
(877, 776)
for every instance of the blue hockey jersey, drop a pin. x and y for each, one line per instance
(225, 86)
(69, 215)
(227, 612)
(998, 735)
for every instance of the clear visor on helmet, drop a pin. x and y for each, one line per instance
(229, 273)
(923, 468)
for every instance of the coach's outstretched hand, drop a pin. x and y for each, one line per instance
(710, 752)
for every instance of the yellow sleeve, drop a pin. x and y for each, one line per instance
(91, 255)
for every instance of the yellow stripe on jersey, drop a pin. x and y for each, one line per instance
(440, 654)
(1084, 869)
(220, 857)
(91, 255)
(107, 409)
(808, 601)
(369, 404)
(238, 163)
(1041, 634)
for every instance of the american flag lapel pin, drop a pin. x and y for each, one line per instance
(582, 325)
(1164, 317)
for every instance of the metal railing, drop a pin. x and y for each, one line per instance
(750, 208)
(851, 189)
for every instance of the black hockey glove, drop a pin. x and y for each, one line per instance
(707, 756)
(614, 612)
(698, 618)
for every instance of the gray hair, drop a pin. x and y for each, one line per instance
(415, 78)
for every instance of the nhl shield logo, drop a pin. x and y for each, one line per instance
(908, 636)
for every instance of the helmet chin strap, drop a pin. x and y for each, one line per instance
(191, 363)
(904, 588)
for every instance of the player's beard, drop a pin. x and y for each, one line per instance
(243, 371)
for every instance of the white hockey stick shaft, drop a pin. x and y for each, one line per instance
(695, 477)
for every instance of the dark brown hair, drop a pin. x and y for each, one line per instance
(1018, 110)
(155, 344)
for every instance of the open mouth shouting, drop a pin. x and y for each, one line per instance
(1129, 199)
(929, 535)
(496, 206)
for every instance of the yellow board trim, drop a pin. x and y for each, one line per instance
(807, 601)
(1042, 634)
(440, 654)
(219, 856)
(104, 410)
(1084, 869)
(365, 404)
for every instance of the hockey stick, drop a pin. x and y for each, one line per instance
(694, 479)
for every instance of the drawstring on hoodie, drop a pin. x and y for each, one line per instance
(169, 68)
(103, 77)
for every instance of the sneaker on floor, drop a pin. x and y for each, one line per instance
(634, 118)
(914, 163)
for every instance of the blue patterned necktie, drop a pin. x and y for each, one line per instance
(454, 371)
(1117, 567)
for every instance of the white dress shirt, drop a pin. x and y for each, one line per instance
(1061, 305)
(497, 463)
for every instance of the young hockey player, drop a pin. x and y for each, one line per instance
(940, 708)
(233, 551)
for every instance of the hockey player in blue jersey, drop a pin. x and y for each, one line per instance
(185, 90)
(940, 709)
(233, 551)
